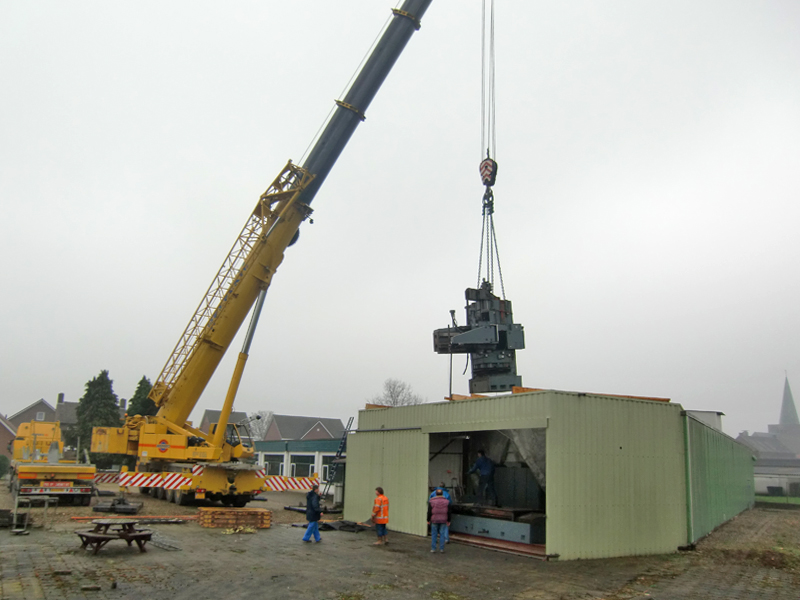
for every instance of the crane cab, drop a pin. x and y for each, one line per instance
(240, 447)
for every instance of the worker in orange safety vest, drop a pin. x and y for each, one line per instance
(380, 516)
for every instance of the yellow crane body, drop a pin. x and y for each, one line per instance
(175, 460)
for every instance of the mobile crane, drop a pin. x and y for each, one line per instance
(175, 460)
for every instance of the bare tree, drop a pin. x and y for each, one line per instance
(259, 427)
(397, 393)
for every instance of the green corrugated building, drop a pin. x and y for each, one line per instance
(593, 475)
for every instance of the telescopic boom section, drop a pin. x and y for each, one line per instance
(273, 224)
(351, 110)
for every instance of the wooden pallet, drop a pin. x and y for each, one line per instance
(259, 518)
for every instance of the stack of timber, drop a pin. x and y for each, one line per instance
(226, 518)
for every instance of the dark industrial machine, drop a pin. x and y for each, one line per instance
(491, 339)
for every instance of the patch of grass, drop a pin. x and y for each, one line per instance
(444, 595)
(778, 499)
(780, 558)
(785, 559)
(356, 596)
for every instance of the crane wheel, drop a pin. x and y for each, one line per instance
(144, 490)
(170, 495)
(182, 498)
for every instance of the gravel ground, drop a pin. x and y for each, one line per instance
(754, 556)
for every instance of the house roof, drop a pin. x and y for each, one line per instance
(294, 428)
(8, 425)
(30, 406)
(764, 443)
(67, 413)
(785, 471)
(213, 416)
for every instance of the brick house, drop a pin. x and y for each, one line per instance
(67, 414)
(7, 434)
(38, 411)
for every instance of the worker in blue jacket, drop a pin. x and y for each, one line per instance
(485, 469)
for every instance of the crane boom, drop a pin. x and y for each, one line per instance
(270, 229)
(351, 110)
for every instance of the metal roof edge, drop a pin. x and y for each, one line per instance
(530, 392)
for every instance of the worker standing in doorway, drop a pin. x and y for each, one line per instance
(380, 516)
(438, 519)
(313, 515)
(485, 469)
(446, 494)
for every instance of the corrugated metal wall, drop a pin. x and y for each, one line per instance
(370, 454)
(503, 412)
(616, 468)
(397, 461)
(615, 473)
(721, 478)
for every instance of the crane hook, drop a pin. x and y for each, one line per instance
(488, 171)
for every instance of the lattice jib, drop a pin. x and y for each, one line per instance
(290, 181)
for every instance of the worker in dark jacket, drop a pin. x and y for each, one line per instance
(313, 515)
(485, 468)
(438, 519)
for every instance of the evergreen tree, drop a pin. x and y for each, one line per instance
(97, 408)
(140, 404)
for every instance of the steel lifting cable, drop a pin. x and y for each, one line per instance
(488, 136)
(499, 269)
(488, 167)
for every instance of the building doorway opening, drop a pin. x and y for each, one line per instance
(503, 505)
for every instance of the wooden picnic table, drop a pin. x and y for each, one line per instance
(106, 530)
(103, 525)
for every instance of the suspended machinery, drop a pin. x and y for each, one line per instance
(490, 338)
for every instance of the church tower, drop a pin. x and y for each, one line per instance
(788, 409)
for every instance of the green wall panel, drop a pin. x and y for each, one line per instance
(721, 478)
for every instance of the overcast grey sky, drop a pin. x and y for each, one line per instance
(646, 206)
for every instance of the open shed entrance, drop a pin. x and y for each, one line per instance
(507, 512)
